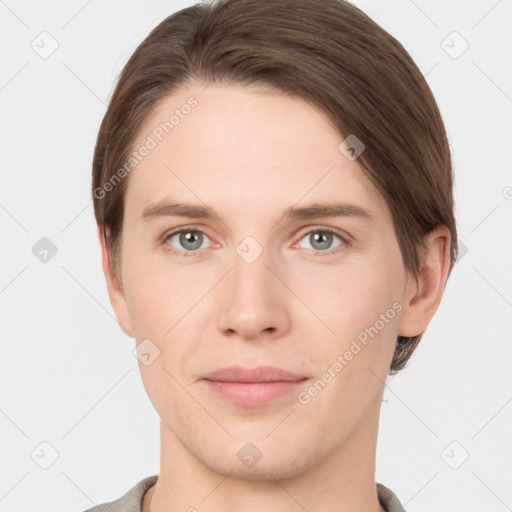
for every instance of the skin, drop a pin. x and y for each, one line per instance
(249, 154)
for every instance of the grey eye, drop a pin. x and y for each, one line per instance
(320, 240)
(189, 240)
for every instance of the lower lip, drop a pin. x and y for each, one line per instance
(253, 393)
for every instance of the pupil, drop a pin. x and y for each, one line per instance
(189, 237)
(325, 236)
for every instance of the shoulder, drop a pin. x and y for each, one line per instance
(131, 501)
(388, 499)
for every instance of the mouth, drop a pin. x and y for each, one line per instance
(251, 387)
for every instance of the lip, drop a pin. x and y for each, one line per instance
(257, 386)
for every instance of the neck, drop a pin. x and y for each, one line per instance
(342, 481)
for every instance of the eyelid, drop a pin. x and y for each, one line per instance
(328, 229)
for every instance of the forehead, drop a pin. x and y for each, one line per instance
(244, 147)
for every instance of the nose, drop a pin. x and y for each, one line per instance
(253, 301)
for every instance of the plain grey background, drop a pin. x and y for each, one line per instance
(71, 397)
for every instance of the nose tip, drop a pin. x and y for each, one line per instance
(252, 305)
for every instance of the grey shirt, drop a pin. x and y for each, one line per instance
(132, 500)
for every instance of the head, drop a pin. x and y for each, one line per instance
(247, 109)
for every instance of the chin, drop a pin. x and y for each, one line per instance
(276, 466)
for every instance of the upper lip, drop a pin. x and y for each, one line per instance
(259, 374)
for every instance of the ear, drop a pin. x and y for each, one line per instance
(424, 294)
(115, 289)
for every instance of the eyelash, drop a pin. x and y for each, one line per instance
(317, 253)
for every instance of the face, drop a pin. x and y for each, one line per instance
(257, 283)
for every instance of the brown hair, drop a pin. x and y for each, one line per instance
(328, 53)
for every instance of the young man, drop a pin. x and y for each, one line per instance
(273, 190)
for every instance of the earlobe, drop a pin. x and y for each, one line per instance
(423, 294)
(115, 288)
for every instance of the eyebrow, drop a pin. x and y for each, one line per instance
(166, 208)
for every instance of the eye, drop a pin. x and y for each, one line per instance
(321, 240)
(190, 240)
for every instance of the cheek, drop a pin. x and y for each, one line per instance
(353, 363)
(154, 295)
(361, 305)
(350, 298)
(166, 308)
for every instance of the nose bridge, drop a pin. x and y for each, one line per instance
(252, 300)
(250, 275)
